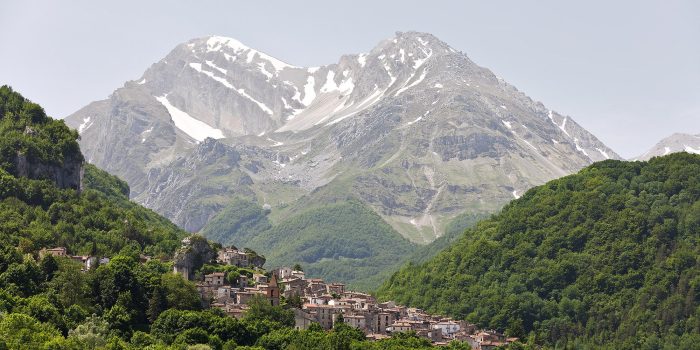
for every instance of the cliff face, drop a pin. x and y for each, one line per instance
(67, 175)
(195, 252)
(35, 146)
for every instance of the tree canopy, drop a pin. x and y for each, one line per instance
(606, 258)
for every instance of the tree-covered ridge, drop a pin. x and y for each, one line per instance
(36, 214)
(362, 257)
(26, 130)
(607, 258)
(309, 239)
(237, 223)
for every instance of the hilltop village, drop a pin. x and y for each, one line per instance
(240, 278)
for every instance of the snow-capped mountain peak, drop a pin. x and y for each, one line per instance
(677, 142)
(417, 130)
(224, 45)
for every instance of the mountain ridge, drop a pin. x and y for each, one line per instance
(677, 142)
(413, 129)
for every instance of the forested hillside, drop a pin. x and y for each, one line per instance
(606, 258)
(363, 256)
(36, 213)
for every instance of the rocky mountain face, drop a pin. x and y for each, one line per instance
(413, 129)
(68, 174)
(675, 143)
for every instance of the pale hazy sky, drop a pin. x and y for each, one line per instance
(628, 71)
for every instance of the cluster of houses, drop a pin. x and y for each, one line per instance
(232, 295)
(321, 302)
(88, 262)
(328, 303)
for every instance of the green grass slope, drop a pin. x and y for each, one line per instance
(606, 258)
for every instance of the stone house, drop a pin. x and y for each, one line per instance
(233, 257)
(283, 272)
(225, 294)
(321, 299)
(259, 278)
(242, 297)
(380, 321)
(302, 320)
(293, 286)
(315, 287)
(447, 327)
(243, 281)
(336, 288)
(399, 326)
(271, 291)
(88, 261)
(206, 292)
(357, 321)
(323, 314)
(215, 278)
(58, 251)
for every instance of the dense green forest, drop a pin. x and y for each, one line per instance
(453, 231)
(124, 303)
(26, 130)
(606, 258)
(307, 238)
(237, 223)
(366, 256)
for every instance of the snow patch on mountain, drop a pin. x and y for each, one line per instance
(415, 82)
(261, 67)
(562, 127)
(309, 91)
(84, 125)
(223, 81)
(145, 133)
(216, 43)
(330, 83)
(193, 127)
(226, 83)
(691, 149)
(419, 62)
(211, 64)
(362, 59)
(578, 148)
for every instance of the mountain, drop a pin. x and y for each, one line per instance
(605, 258)
(413, 130)
(675, 143)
